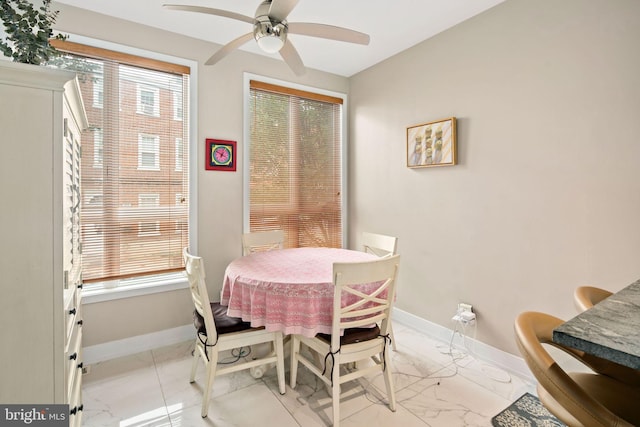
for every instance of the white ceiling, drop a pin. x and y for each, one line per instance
(393, 25)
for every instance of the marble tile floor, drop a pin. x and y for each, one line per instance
(434, 387)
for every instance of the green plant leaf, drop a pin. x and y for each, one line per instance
(28, 31)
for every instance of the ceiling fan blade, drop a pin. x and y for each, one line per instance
(280, 9)
(328, 32)
(228, 48)
(210, 11)
(291, 57)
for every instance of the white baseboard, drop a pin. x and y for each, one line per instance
(137, 344)
(132, 345)
(496, 357)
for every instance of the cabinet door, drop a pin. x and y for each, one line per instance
(72, 200)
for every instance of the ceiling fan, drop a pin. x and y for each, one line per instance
(270, 29)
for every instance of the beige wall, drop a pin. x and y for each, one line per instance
(547, 193)
(220, 110)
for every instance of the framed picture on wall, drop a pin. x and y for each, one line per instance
(220, 155)
(432, 144)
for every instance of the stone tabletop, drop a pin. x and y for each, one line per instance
(610, 329)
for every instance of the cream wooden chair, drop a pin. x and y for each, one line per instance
(382, 246)
(217, 332)
(379, 244)
(262, 241)
(360, 341)
(577, 399)
(586, 297)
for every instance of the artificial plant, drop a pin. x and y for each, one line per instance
(28, 30)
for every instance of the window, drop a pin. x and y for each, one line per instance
(177, 105)
(295, 164)
(148, 100)
(97, 93)
(98, 150)
(146, 205)
(148, 152)
(129, 212)
(149, 200)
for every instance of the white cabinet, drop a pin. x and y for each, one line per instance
(41, 117)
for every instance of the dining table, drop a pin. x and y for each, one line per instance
(610, 329)
(289, 290)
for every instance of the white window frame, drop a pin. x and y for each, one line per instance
(153, 148)
(141, 107)
(144, 197)
(98, 155)
(98, 93)
(148, 228)
(177, 106)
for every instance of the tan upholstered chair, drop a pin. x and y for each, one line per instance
(360, 341)
(216, 332)
(262, 241)
(578, 399)
(382, 246)
(586, 297)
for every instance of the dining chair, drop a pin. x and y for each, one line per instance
(262, 241)
(577, 398)
(383, 246)
(363, 314)
(217, 332)
(586, 297)
(379, 244)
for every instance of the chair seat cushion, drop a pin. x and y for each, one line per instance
(224, 324)
(354, 335)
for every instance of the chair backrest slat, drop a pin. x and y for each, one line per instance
(194, 267)
(364, 294)
(262, 241)
(379, 244)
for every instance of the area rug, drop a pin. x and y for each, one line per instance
(524, 412)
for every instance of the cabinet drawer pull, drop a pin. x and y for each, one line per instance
(80, 365)
(80, 286)
(74, 356)
(80, 322)
(81, 407)
(72, 312)
(73, 411)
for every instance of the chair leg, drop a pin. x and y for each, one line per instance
(393, 339)
(388, 382)
(293, 371)
(194, 365)
(279, 347)
(335, 391)
(211, 375)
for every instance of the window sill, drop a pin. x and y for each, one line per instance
(102, 294)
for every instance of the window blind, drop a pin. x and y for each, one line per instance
(134, 167)
(295, 179)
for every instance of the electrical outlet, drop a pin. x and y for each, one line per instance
(462, 307)
(464, 314)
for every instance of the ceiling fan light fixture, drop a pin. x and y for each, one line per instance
(270, 37)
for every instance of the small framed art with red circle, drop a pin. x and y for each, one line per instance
(220, 155)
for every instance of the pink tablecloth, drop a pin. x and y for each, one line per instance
(290, 290)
